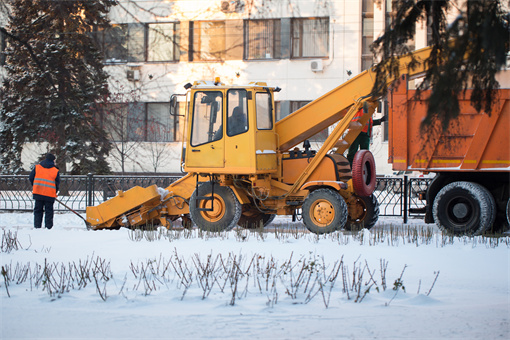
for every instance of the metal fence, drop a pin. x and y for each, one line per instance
(400, 196)
(77, 192)
(397, 196)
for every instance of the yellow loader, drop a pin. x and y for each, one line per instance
(243, 168)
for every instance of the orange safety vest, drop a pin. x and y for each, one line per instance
(44, 181)
(368, 126)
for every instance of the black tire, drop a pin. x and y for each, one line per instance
(268, 219)
(324, 211)
(227, 209)
(464, 208)
(363, 173)
(508, 211)
(254, 220)
(187, 223)
(363, 214)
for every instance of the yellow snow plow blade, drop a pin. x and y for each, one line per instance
(125, 209)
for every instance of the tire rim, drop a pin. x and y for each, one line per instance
(218, 209)
(367, 173)
(357, 210)
(460, 211)
(322, 213)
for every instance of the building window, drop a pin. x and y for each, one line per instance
(208, 40)
(160, 124)
(124, 122)
(124, 43)
(296, 105)
(262, 39)
(216, 40)
(137, 42)
(389, 17)
(367, 37)
(163, 42)
(139, 122)
(310, 38)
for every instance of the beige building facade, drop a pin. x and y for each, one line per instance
(306, 48)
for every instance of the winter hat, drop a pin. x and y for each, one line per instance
(50, 157)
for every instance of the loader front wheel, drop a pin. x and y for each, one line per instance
(218, 214)
(324, 211)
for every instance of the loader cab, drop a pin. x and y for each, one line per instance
(231, 129)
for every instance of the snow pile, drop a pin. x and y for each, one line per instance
(163, 193)
(396, 281)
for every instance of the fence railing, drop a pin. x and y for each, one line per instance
(77, 192)
(397, 196)
(400, 196)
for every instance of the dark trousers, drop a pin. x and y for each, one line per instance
(43, 207)
(362, 141)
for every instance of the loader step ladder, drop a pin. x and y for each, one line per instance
(335, 137)
(199, 199)
(354, 128)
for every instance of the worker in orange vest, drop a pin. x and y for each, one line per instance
(45, 179)
(363, 140)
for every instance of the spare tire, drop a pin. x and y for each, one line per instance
(363, 173)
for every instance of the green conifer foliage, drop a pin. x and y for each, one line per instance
(54, 78)
(468, 52)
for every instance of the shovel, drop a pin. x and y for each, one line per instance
(87, 224)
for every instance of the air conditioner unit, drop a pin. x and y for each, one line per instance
(231, 6)
(316, 65)
(133, 75)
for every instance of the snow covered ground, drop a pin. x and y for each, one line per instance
(273, 285)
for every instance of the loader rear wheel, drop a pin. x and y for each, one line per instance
(324, 211)
(464, 208)
(254, 220)
(186, 221)
(219, 214)
(363, 173)
(363, 212)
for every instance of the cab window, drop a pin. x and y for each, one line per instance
(237, 112)
(207, 118)
(264, 112)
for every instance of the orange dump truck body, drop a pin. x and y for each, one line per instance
(473, 142)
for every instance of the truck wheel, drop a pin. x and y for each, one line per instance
(226, 209)
(255, 220)
(324, 211)
(508, 211)
(363, 212)
(363, 173)
(464, 208)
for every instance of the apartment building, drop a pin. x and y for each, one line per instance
(154, 48)
(306, 48)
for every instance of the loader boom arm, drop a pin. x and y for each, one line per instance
(332, 106)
